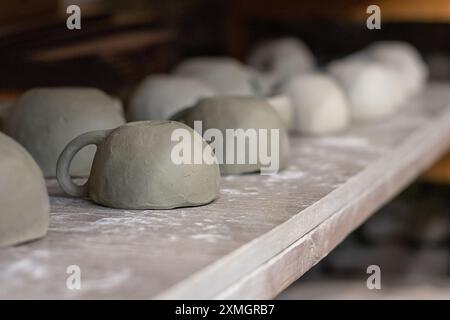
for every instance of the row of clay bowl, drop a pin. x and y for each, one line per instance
(281, 88)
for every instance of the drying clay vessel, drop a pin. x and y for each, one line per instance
(319, 104)
(158, 97)
(45, 120)
(225, 76)
(134, 169)
(24, 204)
(373, 89)
(282, 58)
(228, 112)
(404, 59)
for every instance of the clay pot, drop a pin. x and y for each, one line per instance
(373, 89)
(45, 120)
(134, 168)
(158, 97)
(224, 75)
(24, 204)
(404, 59)
(237, 113)
(282, 58)
(320, 105)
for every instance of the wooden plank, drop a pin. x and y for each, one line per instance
(430, 11)
(278, 273)
(108, 45)
(258, 237)
(440, 172)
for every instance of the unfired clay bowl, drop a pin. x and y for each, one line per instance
(160, 96)
(373, 89)
(233, 112)
(134, 168)
(404, 59)
(45, 120)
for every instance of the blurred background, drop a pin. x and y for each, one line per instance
(120, 42)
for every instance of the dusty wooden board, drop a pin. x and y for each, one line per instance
(261, 225)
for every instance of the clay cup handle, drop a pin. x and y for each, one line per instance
(66, 157)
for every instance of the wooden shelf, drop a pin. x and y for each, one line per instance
(261, 234)
(241, 15)
(109, 45)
